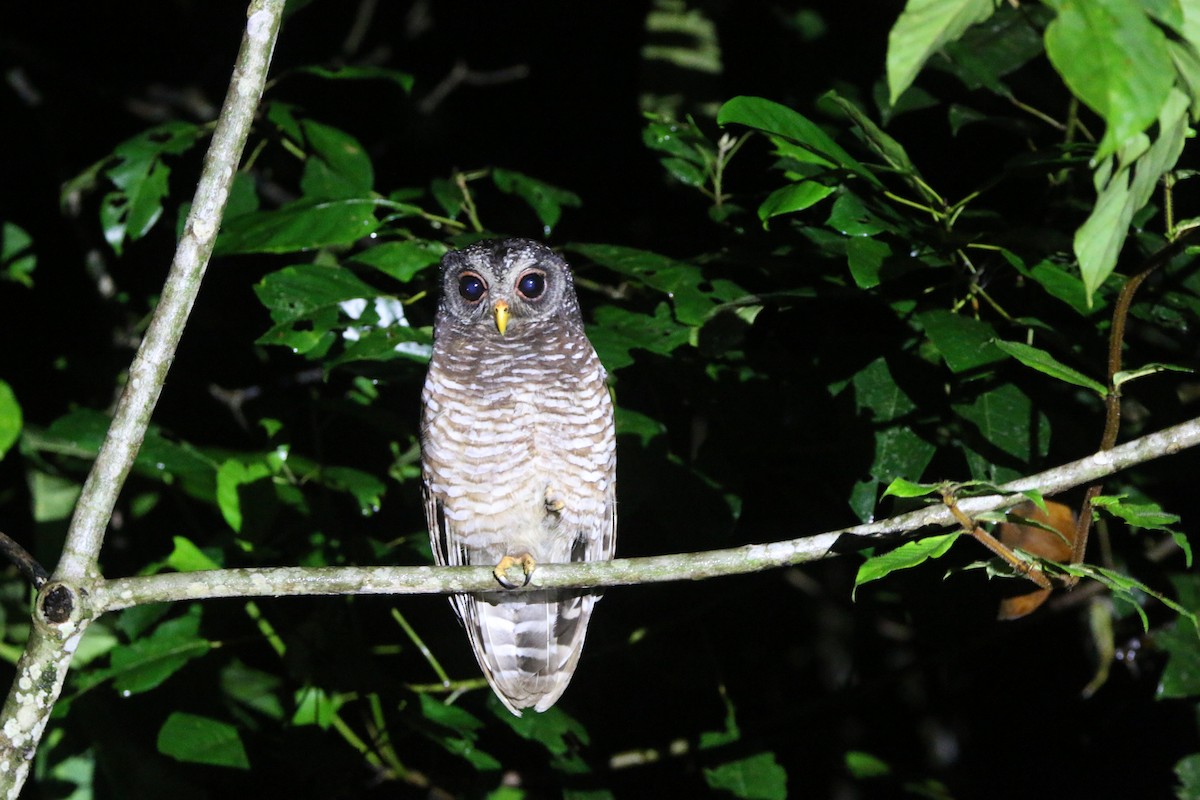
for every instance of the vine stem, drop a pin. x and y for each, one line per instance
(61, 617)
(280, 581)
(1112, 400)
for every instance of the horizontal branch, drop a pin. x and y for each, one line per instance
(279, 581)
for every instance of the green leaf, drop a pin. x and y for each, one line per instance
(1125, 376)
(316, 707)
(141, 180)
(17, 259)
(232, 475)
(1125, 184)
(187, 557)
(547, 201)
(891, 150)
(634, 423)
(1003, 416)
(684, 171)
(773, 118)
(964, 343)
(757, 777)
(80, 432)
(851, 217)
(363, 486)
(1148, 516)
(11, 420)
(1115, 60)
(304, 225)
(865, 258)
(401, 260)
(145, 663)
(1044, 362)
(201, 740)
(308, 302)
(1181, 676)
(1187, 770)
(862, 765)
(54, 497)
(618, 332)
(793, 197)
(1127, 590)
(1001, 44)
(352, 73)
(252, 688)
(922, 29)
(907, 555)
(336, 165)
(905, 488)
(1066, 287)
(876, 390)
(462, 723)
(693, 296)
(553, 729)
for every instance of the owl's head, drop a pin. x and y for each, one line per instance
(505, 287)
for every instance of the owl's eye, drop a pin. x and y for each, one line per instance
(531, 285)
(471, 287)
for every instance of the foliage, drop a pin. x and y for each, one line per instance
(881, 283)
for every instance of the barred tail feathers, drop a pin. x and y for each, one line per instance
(528, 647)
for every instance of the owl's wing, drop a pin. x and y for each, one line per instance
(435, 519)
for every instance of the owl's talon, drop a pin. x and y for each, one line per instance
(528, 565)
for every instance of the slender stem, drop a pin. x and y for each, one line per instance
(1042, 115)
(280, 581)
(1112, 401)
(34, 572)
(1019, 565)
(421, 646)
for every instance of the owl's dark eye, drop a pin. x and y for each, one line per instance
(531, 285)
(471, 287)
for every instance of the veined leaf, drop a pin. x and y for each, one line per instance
(909, 554)
(757, 777)
(905, 488)
(1115, 60)
(922, 29)
(770, 117)
(202, 740)
(1044, 362)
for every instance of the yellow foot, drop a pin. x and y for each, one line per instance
(508, 562)
(553, 504)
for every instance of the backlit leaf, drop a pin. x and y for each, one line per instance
(923, 27)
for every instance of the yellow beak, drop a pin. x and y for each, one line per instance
(500, 309)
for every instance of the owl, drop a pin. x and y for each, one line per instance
(518, 458)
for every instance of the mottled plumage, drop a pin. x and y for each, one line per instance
(518, 456)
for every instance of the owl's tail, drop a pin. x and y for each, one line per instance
(528, 647)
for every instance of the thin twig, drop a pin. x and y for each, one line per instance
(1027, 569)
(34, 572)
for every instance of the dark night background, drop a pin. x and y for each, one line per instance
(915, 671)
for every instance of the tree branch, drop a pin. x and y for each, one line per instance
(63, 611)
(124, 592)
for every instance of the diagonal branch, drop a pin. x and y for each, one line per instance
(149, 369)
(61, 616)
(125, 592)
